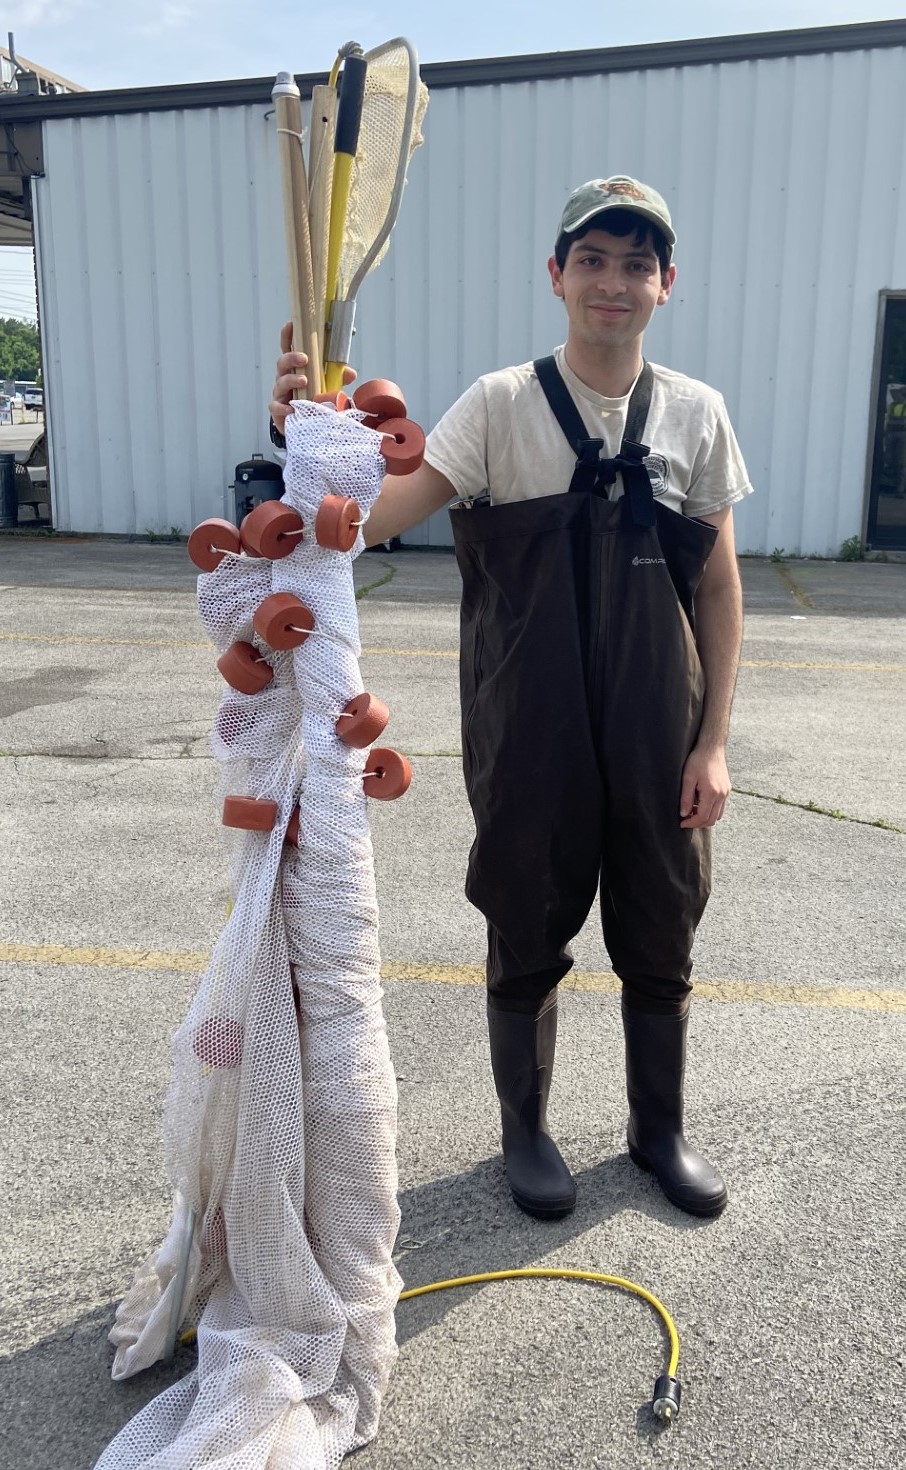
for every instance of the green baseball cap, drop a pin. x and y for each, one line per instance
(619, 192)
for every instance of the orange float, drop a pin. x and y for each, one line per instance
(245, 669)
(211, 541)
(340, 400)
(337, 523)
(218, 1042)
(282, 621)
(273, 530)
(249, 813)
(387, 774)
(362, 721)
(402, 445)
(381, 398)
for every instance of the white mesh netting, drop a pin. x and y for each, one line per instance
(280, 1122)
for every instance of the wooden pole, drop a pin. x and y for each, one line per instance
(288, 108)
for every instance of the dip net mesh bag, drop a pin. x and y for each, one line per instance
(387, 140)
(280, 1121)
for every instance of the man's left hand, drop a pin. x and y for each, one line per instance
(706, 787)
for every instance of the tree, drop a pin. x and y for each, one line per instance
(20, 352)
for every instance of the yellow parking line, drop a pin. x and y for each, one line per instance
(115, 642)
(750, 663)
(854, 668)
(414, 652)
(121, 959)
(735, 992)
(740, 992)
(199, 643)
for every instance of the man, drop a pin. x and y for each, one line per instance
(594, 528)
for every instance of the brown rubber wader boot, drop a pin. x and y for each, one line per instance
(522, 1059)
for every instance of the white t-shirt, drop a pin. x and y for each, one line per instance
(501, 436)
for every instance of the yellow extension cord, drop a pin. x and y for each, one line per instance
(566, 1275)
(665, 1413)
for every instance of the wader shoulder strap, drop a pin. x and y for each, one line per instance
(563, 407)
(592, 473)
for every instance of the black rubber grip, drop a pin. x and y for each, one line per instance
(349, 110)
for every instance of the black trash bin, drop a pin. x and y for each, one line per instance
(9, 500)
(256, 479)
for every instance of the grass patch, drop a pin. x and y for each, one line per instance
(851, 549)
(388, 576)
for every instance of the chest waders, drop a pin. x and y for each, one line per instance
(582, 696)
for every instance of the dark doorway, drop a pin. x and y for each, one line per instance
(887, 496)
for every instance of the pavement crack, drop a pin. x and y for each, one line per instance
(792, 586)
(822, 811)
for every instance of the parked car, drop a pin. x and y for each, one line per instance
(34, 398)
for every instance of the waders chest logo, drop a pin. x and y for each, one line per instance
(658, 473)
(648, 561)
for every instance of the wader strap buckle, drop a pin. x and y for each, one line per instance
(593, 473)
(588, 465)
(637, 483)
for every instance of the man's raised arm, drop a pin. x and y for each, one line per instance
(405, 500)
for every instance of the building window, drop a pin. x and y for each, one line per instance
(887, 497)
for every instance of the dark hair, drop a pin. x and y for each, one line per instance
(619, 222)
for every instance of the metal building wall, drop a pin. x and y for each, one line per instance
(162, 264)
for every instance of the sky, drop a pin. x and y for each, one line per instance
(134, 43)
(131, 43)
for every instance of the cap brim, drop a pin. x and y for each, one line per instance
(631, 208)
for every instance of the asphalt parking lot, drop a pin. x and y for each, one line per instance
(789, 1307)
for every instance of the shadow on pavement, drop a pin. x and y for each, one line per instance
(62, 1408)
(467, 1224)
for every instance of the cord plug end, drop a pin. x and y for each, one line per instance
(667, 1395)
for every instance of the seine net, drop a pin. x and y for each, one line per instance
(280, 1122)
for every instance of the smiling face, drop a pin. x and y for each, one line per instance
(610, 286)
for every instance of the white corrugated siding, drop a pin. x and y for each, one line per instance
(162, 274)
(162, 291)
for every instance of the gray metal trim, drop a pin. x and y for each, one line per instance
(147, 99)
(704, 51)
(490, 71)
(35, 204)
(341, 332)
